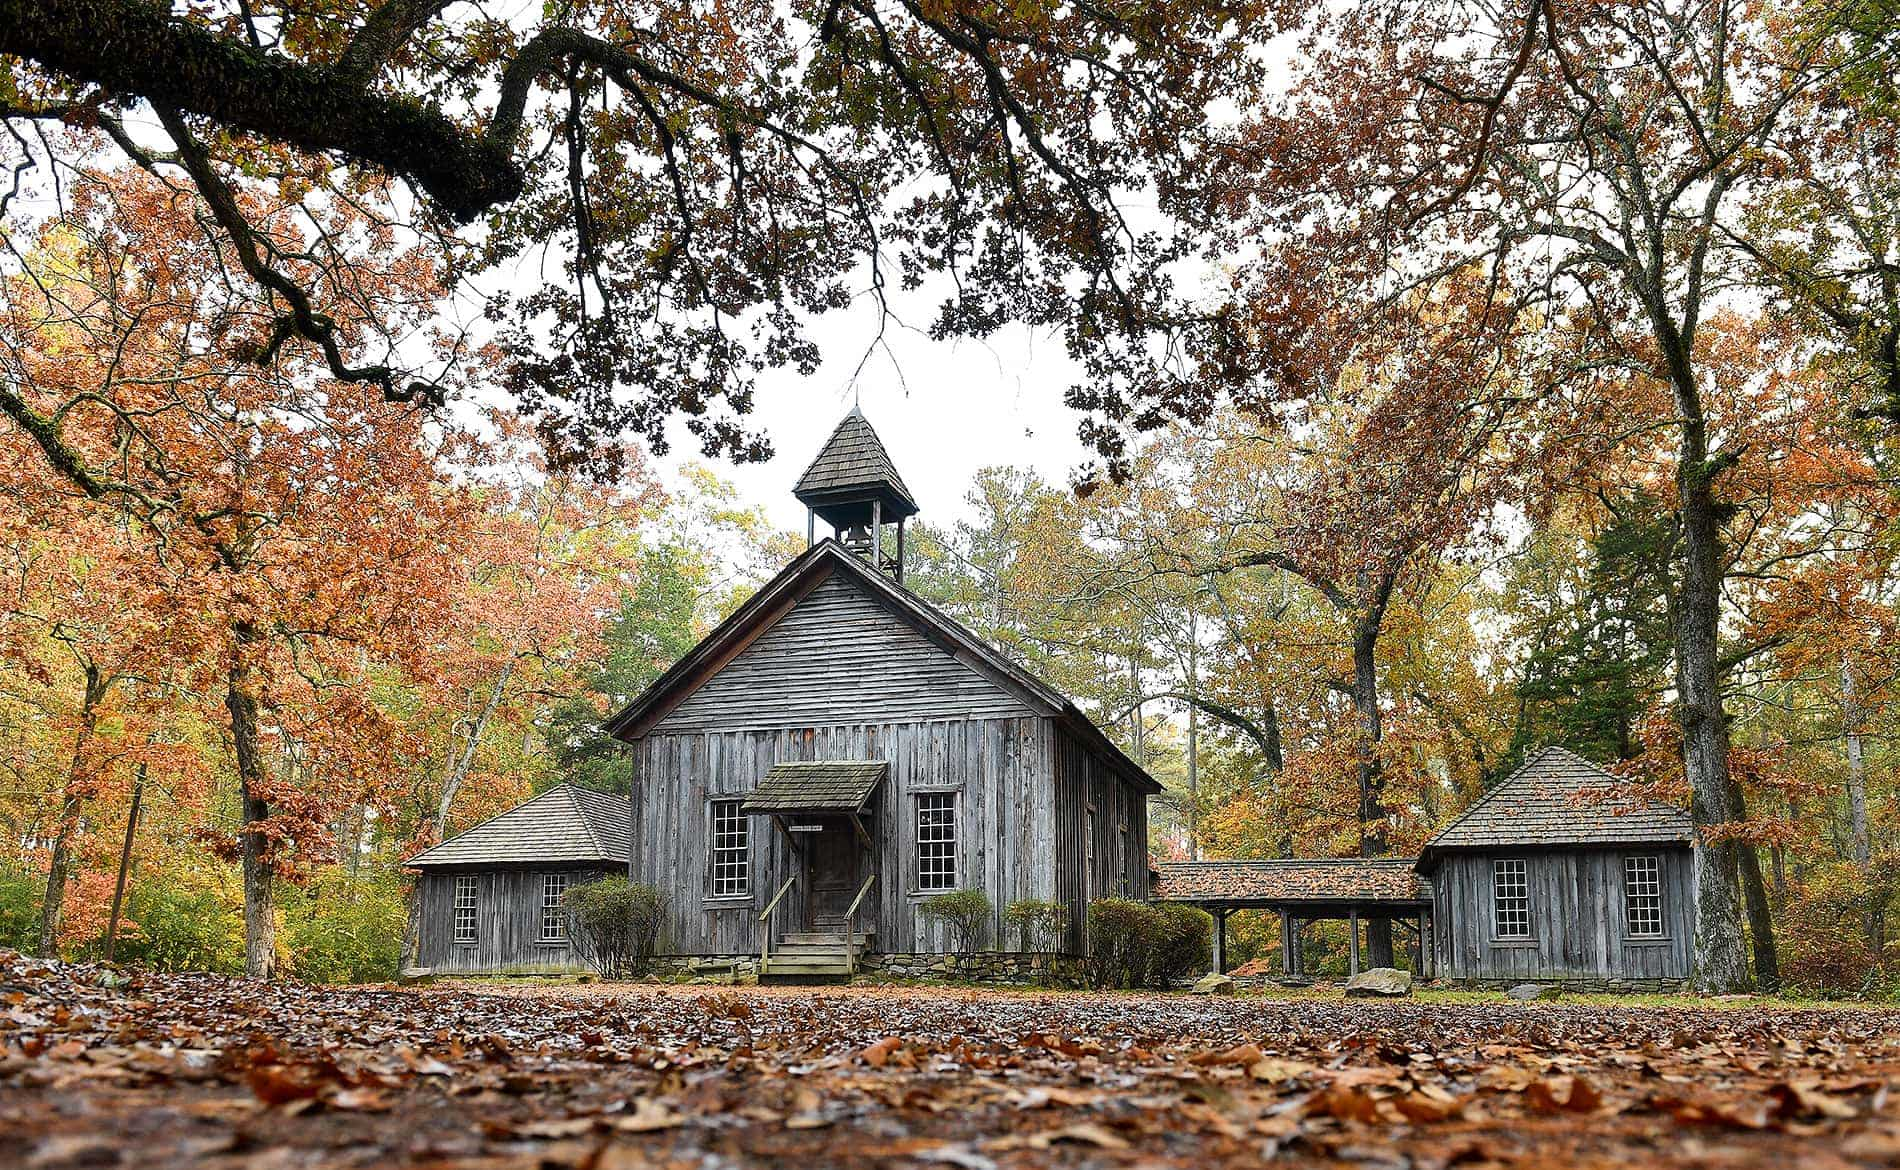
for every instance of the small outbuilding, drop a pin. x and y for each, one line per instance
(1561, 874)
(488, 900)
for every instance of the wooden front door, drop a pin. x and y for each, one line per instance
(832, 870)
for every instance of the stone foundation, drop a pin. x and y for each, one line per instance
(1583, 986)
(1007, 968)
(707, 968)
(1004, 968)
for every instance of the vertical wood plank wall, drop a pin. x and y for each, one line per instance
(839, 655)
(1083, 781)
(1577, 921)
(999, 769)
(507, 921)
(843, 677)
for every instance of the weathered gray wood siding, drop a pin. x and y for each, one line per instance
(1117, 865)
(507, 918)
(1001, 770)
(1578, 926)
(840, 655)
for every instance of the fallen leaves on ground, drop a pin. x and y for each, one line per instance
(105, 1068)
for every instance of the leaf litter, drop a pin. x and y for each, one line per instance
(104, 1068)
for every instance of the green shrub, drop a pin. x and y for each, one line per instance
(966, 912)
(1039, 925)
(1822, 937)
(1121, 935)
(20, 894)
(615, 925)
(1139, 944)
(344, 930)
(1182, 944)
(173, 928)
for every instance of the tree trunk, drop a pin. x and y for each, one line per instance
(1193, 743)
(260, 909)
(1860, 840)
(1372, 834)
(1720, 965)
(1761, 919)
(458, 769)
(125, 860)
(71, 805)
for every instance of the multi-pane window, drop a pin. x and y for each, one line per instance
(553, 914)
(1642, 896)
(731, 850)
(1511, 897)
(936, 841)
(465, 908)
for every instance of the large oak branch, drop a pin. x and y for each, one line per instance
(138, 49)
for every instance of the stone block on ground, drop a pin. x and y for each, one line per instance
(1378, 983)
(1530, 991)
(1214, 984)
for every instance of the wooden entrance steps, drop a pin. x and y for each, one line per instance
(813, 956)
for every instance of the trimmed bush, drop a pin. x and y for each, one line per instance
(1141, 944)
(1181, 946)
(615, 925)
(1121, 932)
(1038, 924)
(966, 912)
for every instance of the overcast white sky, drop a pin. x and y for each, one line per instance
(943, 410)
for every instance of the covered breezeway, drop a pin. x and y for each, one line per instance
(1353, 890)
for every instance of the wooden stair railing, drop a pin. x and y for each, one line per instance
(765, 924)
(851, 927)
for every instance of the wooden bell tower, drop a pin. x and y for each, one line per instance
(853, 487)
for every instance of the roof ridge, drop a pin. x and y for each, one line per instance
(977, 655)
(1497, 788)
(829, 440)
(587, 822)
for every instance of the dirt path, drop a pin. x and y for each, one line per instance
(209, 1071)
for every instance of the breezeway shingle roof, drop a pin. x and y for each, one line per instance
(1558, 798)
(816, 786)
(566, 823)
(1289, 881)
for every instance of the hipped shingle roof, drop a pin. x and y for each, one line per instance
(1558, 798)
(566, 823)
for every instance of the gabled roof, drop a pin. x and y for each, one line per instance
(1558, 798)
(1282, 881)
(567, 823)
(816, 786)
(814, 565)
(854, 462)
